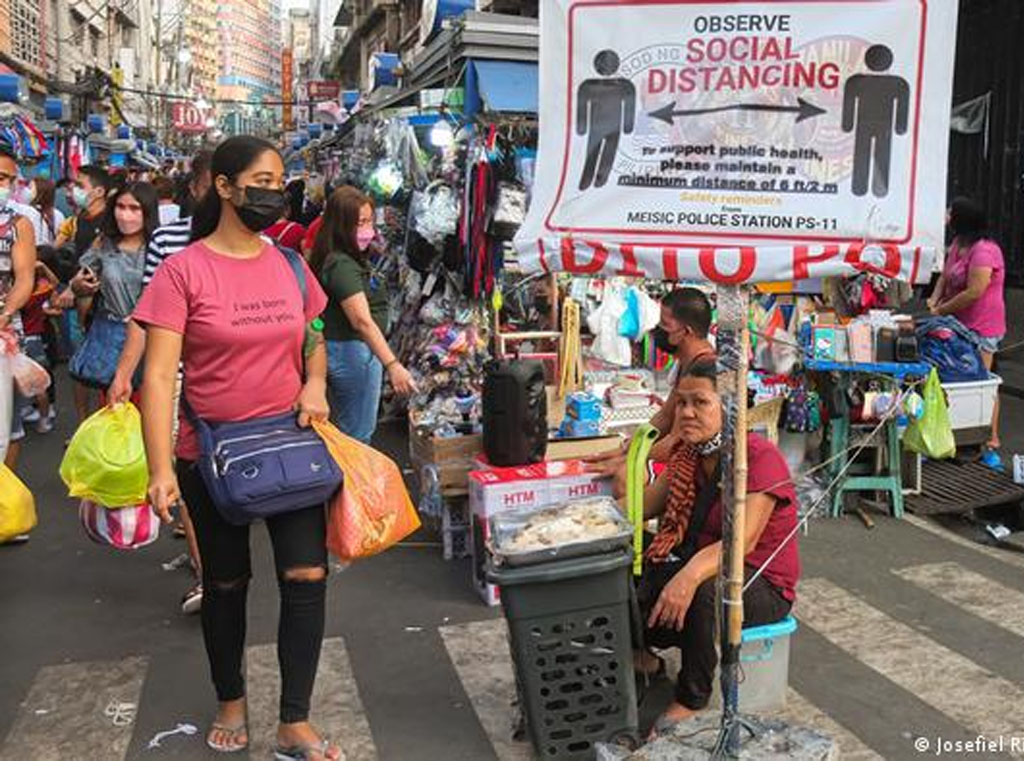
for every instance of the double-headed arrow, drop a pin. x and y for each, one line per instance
(803, 110)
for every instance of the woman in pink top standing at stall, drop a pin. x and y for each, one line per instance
(971, 289)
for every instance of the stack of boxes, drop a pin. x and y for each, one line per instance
(521, 489)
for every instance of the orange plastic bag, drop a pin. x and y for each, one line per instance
(372, 511)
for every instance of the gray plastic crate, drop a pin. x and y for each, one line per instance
(571, 648)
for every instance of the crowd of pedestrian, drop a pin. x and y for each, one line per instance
(144, 283)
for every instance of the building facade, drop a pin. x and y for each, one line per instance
(249, 63)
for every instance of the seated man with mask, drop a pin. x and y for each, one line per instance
(683, 333)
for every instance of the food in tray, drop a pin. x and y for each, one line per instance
(571, 524)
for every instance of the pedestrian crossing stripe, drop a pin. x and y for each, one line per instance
(972, 592)
(78, 711)
(1008, 558)
(480, 654)
(947, 681)
(86, 710)
(335, 707)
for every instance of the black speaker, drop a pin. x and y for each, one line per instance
(515, 413)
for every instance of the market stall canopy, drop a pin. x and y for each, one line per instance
(715, 142)
(501, 86)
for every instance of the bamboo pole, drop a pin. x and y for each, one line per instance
(733, 351)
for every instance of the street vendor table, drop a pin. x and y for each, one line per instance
(839, 431)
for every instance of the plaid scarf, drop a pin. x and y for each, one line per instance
(682, 494)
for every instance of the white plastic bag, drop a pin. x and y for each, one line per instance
(30, 377)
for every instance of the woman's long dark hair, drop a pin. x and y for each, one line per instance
(147, 198)
(231, 158)
(968, 222)
(295, 191)
(45, 195)
(338, 231)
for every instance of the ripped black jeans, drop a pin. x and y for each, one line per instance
(300, 557)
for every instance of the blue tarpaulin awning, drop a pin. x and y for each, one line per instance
(501, 86)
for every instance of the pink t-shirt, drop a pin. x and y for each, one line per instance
(243, 323)
(986, 316)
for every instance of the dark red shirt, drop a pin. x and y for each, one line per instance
(286, 233)
(767, 473)
(311, 233)
(33, 318)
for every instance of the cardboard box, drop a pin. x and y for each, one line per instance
(453, 457)
(516, 489)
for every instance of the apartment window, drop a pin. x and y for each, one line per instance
(127, 35)
(25, 31)
(94, 42)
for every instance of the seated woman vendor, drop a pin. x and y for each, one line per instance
(677, 590)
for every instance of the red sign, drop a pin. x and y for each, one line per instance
(324, 90)
(286, 89)
(186, 117)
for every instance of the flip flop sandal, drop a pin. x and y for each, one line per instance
(234, 733)
(303, 751)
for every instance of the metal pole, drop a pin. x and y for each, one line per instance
(733, 343)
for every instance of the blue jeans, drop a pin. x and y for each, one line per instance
(354, 376)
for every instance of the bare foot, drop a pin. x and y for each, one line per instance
(228, 732)
(675, 713)
(301, 737)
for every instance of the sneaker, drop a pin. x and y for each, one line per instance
(30, 414)
(193, 600)
(21, 538)
(44, 426)
(990, 458)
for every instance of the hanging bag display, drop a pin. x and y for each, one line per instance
(372, 511)
(932, 434)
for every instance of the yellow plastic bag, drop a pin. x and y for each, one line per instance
(106, 459)
(17, 507)
(372, 511)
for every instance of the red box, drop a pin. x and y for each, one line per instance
(515, 489)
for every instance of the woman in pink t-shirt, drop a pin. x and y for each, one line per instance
(971, 289)
(230, 308)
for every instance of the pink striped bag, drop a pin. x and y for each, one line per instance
(123, 528)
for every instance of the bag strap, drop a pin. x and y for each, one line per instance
(701, 507)
(295, 262)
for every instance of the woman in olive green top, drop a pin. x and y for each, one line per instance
(356, 315)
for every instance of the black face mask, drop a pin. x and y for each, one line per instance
(261, 207)
(660, 337)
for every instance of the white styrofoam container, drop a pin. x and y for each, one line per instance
(971, 402)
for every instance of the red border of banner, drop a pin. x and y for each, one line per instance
(677, 233)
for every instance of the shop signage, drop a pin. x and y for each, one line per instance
(286, 90)
(186, 117)
(741, 142)
(323, 90)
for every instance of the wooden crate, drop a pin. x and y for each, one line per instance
(453, 457)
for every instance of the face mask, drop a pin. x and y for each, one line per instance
(23, 195)
(364, 236)
(710, 446)
(660, 337)
(5, 196)
(129, 222)
(260, 208)
(80, 196)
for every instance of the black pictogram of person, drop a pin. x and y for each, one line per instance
(875, 107)
(606, 110)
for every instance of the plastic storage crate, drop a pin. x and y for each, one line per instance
(764, 667)
(571, 648)
(971, 402)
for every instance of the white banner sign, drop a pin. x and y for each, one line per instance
(741, 141)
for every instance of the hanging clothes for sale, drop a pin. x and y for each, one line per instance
(483, 252)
